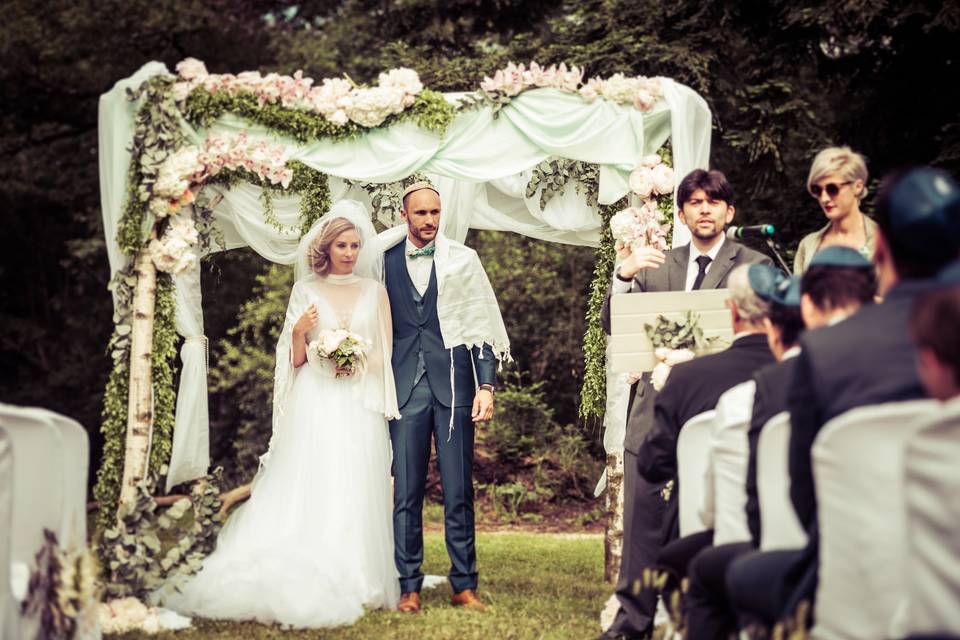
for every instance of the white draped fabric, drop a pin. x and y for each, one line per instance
(9, 618)
(481, 167)
(48, 487)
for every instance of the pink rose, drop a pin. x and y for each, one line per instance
(641, 182)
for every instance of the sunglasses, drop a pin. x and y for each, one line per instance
(832, 189)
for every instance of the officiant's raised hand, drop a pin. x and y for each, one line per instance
(482, 405)
(633, 261)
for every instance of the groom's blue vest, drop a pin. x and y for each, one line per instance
(417, 338)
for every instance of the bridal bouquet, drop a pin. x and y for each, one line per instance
(347, 351)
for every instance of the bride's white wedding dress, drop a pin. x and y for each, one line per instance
(313, 545)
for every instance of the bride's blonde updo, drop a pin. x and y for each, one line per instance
(319, 254)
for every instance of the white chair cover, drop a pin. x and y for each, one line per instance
(933, 523)
(9, 618)
(858, 473)
(49, 490)
(779, 525)
(692, 447)
(730, 453)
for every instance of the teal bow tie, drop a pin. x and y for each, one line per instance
(424, 251)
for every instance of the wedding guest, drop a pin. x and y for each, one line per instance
(783, 324)
(707, 205)
(867, 359)
(838, 182)
(838, 281)
(935, 329)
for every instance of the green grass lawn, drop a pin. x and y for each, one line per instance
(537, 586)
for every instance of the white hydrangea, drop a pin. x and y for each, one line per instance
(174, 175)
(173, 253)
(372, 106)
(402, 79)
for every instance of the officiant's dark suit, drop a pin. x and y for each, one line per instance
(643, 505)
(423, 370)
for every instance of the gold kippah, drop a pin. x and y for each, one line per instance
(417, 186)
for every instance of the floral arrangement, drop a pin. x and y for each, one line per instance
(674, 342)
(190, 167)
(173, 253)
(497, 90)
(640, 91)
(338, 100)
(62, 591)
(129, 614)
(346, 350)
(652, 177)
(636, 227)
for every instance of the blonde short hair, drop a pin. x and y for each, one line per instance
(751, 307)
(319, 254)
(843, 160)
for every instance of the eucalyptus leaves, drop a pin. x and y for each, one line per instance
(551, 178)
(153, 548)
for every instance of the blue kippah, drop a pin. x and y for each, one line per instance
(840, 257)
(787, 291)
(950, 275)
(924, 211)
(763, 280)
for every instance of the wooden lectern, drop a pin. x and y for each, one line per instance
(631, 350)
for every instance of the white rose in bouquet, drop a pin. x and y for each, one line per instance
(344, 350)
(372, 106)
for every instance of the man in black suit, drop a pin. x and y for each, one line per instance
(837, 283)
(838, 369)
(706, 207)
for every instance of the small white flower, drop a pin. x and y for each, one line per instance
(191, 69)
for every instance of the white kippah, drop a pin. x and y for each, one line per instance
(417, 186)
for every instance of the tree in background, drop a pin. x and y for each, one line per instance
(782, 78)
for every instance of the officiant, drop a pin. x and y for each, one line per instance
(706, 206)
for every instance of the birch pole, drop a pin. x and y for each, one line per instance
(613, 538)
(140, 400)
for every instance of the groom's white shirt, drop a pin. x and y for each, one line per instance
(419, 267)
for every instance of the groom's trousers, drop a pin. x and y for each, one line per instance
(424, 418)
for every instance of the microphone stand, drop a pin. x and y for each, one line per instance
(776, 254)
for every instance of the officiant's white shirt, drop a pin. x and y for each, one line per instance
(619, 286)
(419, 267)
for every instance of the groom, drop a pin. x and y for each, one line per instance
(438, 396)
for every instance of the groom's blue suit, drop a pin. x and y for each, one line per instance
(423, 370)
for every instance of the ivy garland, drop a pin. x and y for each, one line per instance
(593, 393)
(430, 111)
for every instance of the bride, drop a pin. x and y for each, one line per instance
(313, 545)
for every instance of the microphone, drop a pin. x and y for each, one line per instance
(755, 231)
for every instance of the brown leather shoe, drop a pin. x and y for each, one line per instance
(409, 603)
(468, 599)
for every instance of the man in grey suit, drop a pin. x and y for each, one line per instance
(706, 207)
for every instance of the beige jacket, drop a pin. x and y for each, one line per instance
(812, 241)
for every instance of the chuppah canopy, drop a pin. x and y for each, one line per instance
(482, 162)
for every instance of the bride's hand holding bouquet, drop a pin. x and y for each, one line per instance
(345, 350)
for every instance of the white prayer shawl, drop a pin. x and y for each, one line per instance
(466, 305)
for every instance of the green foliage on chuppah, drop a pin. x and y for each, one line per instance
(593, 393)
(153, 548)
(202, 108)
(553, 175)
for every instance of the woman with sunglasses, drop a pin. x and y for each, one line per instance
(838, 182)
